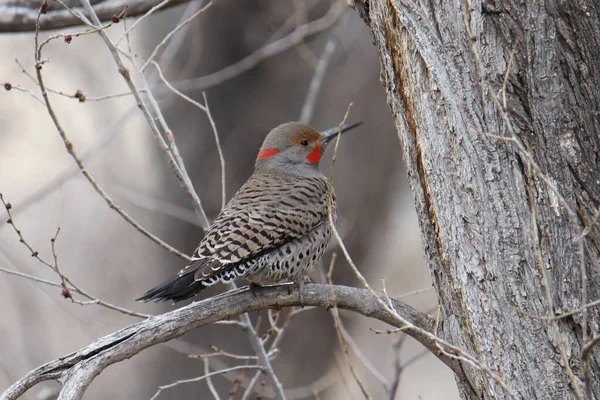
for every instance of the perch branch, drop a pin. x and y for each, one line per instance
(77, 370)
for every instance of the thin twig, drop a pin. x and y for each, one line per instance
(361, 356)
(34, 278)
(250, 388)
(65, 283)
(168, 133)
(546, 283)
(71, 150)
(219, 149)
(259, 350)
(336, 324)
(171, 33)
(412, 293)
(9, 86)
(273, 349)
(266, 51)
(342, 372)
(79, 95)
(584, 315)
(205, 108)
(510, 60)
(586, 353)
(221, 352)
(211, 387)
(559, 316)
(200, 378)
(179, 171)
(69, 36)
(63, 280)
(175, 90)
(397, 347)
(140, 19)
(388, 331)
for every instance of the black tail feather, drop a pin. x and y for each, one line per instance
(177, 288)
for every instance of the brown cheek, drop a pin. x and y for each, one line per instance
(314, 156)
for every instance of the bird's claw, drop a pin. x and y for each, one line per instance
(300, 284)
(253, 286)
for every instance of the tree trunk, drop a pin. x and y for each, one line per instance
(501, 220)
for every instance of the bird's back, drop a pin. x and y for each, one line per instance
(269, 222)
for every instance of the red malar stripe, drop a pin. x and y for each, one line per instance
(314, 156)
(265, 153)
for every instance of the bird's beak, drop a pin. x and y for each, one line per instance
(331, 133)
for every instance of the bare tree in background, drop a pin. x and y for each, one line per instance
(497, 109)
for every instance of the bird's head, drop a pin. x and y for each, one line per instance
(296, 146)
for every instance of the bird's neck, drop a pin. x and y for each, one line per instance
(289, 170)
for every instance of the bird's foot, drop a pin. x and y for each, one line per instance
(253, 286)
(290, 286)
(300, 284)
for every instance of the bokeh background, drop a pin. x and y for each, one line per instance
(101, 253)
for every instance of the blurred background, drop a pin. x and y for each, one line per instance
(103, 254)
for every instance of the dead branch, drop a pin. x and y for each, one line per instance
(77, 370)
(20, 15)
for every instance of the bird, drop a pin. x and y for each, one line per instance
(275, 228)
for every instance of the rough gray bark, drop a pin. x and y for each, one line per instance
(484, 210)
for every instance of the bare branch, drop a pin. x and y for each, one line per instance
(211, 387)
(71, 150)
(361, 356)
(213, 125)
(559, 316)
(179, 170)
(261, 353)
(9, 86)
(170, 35)
(221, 352)
(81, 367)
(33, 278)
(21, 15)
(412, 293)
(269, 50)
(336, 323)
(200, 378)
(393, 388)
(585, 362)
(65, 283)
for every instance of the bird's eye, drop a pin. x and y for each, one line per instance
(304, 142)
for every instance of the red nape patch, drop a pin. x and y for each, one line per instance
(266, 153)
(314, 156)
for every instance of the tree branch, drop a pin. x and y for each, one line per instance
(77, 370)
(20, 15)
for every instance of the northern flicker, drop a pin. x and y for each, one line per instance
(275, 228)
